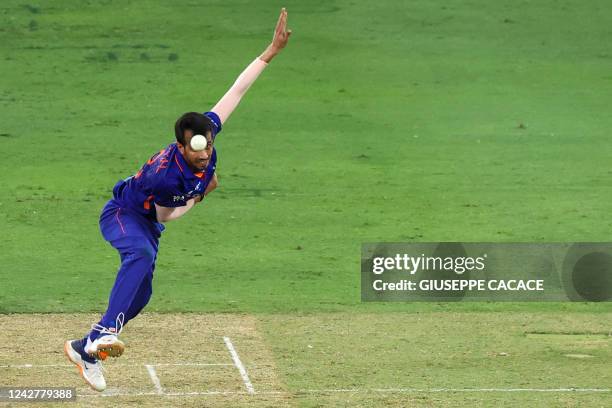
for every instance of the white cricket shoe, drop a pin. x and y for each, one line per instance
(90, 368)
(105, 346)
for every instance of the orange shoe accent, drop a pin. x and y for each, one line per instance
(109, 350)
(78, 366)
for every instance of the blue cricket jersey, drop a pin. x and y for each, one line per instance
(166, 180)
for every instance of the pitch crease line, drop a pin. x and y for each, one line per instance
(191, 364)
(154, 379)
(239, 365)
(366, 391)
(416, 390)
(113, 365)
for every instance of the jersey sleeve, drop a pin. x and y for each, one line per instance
(169, 196)
(215, 120)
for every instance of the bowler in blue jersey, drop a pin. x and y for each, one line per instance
(166, 187)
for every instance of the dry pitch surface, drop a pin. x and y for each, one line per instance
(422, 360)
(178, 360)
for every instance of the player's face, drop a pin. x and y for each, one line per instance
(197, 160)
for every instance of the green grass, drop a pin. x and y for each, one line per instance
(375, 355)
(386, 121)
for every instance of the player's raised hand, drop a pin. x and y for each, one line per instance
(280, 39)
(281, 33)
(232, 97)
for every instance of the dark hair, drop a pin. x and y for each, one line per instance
(198, 123)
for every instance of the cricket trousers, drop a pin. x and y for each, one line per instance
(136, 238)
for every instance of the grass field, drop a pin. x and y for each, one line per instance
(419, 121)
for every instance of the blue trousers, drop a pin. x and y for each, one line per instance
(136, 238)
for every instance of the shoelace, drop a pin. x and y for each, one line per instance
(104, 330)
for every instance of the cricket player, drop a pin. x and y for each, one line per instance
(167, 186)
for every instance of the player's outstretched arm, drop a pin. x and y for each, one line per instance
(165, 214)
(231, 99)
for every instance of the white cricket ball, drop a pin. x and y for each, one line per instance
(198, 142)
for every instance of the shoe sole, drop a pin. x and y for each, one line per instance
(115, 349)
(79, 366)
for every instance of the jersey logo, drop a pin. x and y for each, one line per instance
(178, 198)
